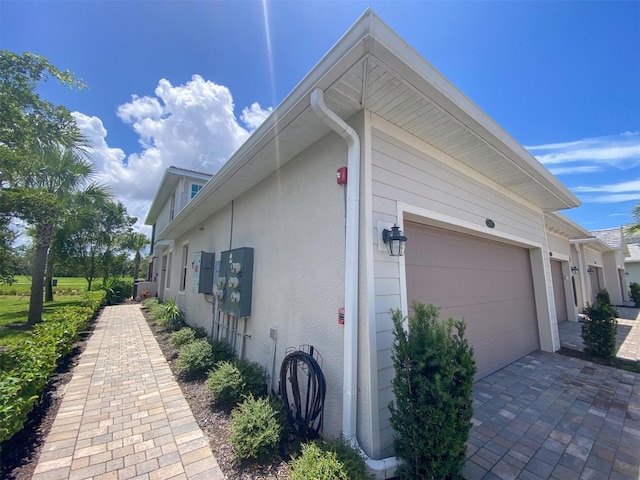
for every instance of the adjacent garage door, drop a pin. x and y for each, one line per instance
(559, 296)
(487, 283)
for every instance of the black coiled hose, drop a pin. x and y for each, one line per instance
(304, 408)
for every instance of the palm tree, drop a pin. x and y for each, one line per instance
(634, 228)
(136, 242)
(42, 199)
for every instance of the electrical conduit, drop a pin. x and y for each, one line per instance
(384, 468)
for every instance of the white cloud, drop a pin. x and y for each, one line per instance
(622, 187)
(621, 151)
(191, 126)
(577, 169)
(254, 116)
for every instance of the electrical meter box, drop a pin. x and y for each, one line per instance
(203, 272)
(234, 285)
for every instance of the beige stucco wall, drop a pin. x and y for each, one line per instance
(408, 174)
(294, 220)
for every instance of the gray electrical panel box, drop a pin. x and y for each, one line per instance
(203, 272)
(234, 286)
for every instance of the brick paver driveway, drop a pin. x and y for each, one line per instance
(552, 416)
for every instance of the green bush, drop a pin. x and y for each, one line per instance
(117, 290)
(634, 292)
(316, 464)
(351, 460)
(231, 381)
(195, 358)
(182, 337)
(599, 330)
(255, 429)
(222, 351)
(148, 302)
(25, 369)
(431, 415)
(171, 316)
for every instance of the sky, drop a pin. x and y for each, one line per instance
(185, 83)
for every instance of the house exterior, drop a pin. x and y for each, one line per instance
(474, 204)
(583, 263)
(632, 264)
(177, 188)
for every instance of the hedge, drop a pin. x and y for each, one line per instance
(25, 369)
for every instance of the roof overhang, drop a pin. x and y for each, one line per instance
(372, 68)
(170, 179)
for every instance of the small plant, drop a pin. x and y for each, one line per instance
(172, 316)
(634, 292)
(599, 331)
(255, 429)
(182, 337)
(316, 463)
(351, 460)
(149, 302)
(195, 358)
(231, 381)
(222, 351)
(431, 415)
(118, 290)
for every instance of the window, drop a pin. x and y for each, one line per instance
(183, 272)
(195, 189)
(172, 205)
(168, 282)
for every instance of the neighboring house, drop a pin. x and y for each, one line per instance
(582, 264)
(177, 188)
(611, 273)
(632, 264)
(473, 203)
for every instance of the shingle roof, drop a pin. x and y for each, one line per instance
(611, 236)
(634, 251)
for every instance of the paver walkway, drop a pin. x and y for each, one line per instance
(627, 338)
(548, 416)
(123, 415)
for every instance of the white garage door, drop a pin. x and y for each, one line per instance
(487, 283)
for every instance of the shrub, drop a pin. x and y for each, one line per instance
(148, 302)
(118, 290)
(431, 415)
(316, 464)
(635, 294)
(222, 351)
(171, 316)
(195, 358)
(255, 429)
(231, 381)
(599, 330)
(351, 460)
(182, 337)
(26, 368)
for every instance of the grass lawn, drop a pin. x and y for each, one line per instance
(13, 315)
(22, 285)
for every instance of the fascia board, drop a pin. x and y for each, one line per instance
(393, 51)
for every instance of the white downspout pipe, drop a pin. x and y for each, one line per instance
(386, 467)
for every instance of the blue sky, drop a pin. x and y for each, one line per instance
(185, 83)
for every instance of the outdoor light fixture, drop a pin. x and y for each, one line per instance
(395, 241)
(589, 270)
(574, 269)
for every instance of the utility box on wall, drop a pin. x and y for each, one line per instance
(234, 286)
(203, 272)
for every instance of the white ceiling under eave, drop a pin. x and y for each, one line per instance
(372, 68)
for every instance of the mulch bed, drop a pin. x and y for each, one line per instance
(19, 455)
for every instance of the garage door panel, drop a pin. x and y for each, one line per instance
(487, 283)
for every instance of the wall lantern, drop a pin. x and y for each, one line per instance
(574, 270)
(589, 270)
(395, 241)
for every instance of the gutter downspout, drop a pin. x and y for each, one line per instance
(386, 467)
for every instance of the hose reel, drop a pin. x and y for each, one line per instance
(303, 390)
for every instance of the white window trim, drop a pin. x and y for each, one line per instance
(184, 264)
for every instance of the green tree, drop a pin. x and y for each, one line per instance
(42, 198)
(40, 155)
(135, 242)
(432, 411)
